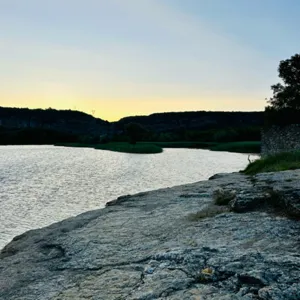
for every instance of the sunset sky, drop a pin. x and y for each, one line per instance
(132, 57)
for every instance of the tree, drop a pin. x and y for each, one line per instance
(287, 94)
(285, 103)
(135, 132)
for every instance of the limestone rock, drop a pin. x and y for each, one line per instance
(246, 201)
(145, 246)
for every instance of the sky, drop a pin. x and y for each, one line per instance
(115, 58)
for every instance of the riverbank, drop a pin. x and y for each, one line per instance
(139, 148)
(274, 163)
(173, 243)
(157, 147)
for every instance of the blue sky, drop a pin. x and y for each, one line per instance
(129, 57)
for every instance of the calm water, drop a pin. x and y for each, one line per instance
(40, 185)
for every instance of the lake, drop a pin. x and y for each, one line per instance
(40, 185)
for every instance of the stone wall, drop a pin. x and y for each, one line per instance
(280, 139)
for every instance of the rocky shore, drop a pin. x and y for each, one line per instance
(231, 237)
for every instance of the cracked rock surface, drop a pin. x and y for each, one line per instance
(147, 246)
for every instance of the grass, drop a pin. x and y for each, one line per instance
(140, 148)
(195, 145)
(241, 147)
(274, 163)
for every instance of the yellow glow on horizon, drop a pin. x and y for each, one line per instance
(115, 109)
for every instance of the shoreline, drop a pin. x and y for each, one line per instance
(172, 243)
(246, 147)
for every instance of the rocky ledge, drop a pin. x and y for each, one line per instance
(231, 237)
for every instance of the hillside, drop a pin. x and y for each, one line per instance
(66, 121)
(38, 126)
(198, 126)
(196, 120)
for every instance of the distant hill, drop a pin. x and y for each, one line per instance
(67, 121)
(23, 125)
(197, 120)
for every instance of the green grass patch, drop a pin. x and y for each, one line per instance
(241, 147)
(156, 147)
(274, 163)
(194, 145)
(140, 148)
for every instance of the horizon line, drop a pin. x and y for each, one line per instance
(166, 112)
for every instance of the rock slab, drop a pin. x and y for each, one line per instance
(168, 244)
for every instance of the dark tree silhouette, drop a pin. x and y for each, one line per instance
(135, 132)
(287, 94)
(284, 105)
